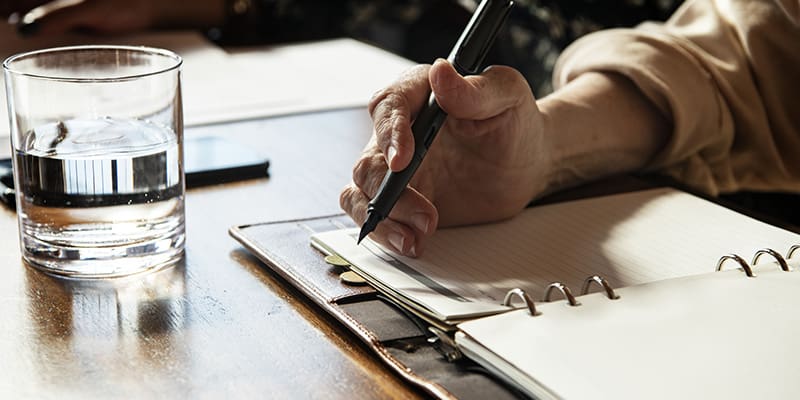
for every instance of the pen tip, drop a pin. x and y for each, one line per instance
(361, 236)
(369, 226)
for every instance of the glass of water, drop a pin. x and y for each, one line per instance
(97, 136)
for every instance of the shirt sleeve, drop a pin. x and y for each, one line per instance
(721, 72)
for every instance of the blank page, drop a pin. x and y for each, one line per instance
(719, 335)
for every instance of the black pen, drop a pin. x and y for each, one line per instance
(467, 58)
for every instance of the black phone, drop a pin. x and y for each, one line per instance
(208, 160)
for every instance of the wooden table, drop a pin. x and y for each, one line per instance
(217, 326)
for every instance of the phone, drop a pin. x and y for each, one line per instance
(211, 160)
(208, 160)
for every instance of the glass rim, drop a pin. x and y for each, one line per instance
(178, 61)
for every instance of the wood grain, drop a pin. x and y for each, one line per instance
(217, 325)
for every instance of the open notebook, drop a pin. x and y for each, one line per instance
(628, 239)
(677, 328)
(719, 335)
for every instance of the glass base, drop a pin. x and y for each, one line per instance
(77, 262)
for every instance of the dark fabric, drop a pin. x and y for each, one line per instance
(536, 33)
(777, 208)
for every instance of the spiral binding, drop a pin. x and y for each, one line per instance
(748, 268)
(517, 292)
(602, 282)
(735, 257)
(777, 256)
(571, 300)
(791, 250)
(609, 291)
(564, 290)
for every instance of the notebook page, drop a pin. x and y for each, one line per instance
(719, 335)
(628, 239)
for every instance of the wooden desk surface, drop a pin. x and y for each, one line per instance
(219, 325)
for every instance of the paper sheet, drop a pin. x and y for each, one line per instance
(707, 336)
(627, 239)
(254, 82)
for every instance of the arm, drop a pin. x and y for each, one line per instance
(600, 125)
(724, 74)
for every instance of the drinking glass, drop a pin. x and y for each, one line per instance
(97, 140)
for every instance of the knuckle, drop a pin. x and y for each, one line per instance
(360, 170)
(377, 98)
(366, 169)
(383, 132)
(408, 79)
(345, 198)
(350, 200)
(417, 72)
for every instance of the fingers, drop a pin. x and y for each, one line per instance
(478, 97)
(110, 17)
(55, 17)
(473, 98)
(7, 8)
(412, 219)
(412, 208)
(392, 111)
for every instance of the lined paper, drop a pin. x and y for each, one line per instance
(628, 239)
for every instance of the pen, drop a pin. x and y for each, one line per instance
(466, 57)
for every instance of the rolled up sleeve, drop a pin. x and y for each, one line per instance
(734, 126)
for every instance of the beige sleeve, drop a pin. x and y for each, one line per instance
(725, 72)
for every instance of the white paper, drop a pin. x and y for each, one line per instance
(628, 239)
(250, 83)
(719, 335)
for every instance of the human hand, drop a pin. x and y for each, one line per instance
(488, 162)
(9, 7)
(114, 16)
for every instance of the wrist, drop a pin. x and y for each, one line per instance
(598, 125)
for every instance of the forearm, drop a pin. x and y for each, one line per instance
(599, 125)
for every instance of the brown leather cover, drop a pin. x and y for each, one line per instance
(399, 340)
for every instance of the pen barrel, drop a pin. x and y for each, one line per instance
(425, 127)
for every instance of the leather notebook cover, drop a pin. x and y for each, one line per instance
(401, 341)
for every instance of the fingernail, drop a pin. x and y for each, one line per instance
(439, 61)
(435, 78)
(412, 251)
(391, 152)
(396, 240)
(421, 221)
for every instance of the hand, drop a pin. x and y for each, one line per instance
(488, 161)
(9, 7)
(118, 16)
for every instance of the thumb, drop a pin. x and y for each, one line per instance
(477, 97)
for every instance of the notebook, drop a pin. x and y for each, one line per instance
(628, 239)
(663, 323)
(720, 335)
